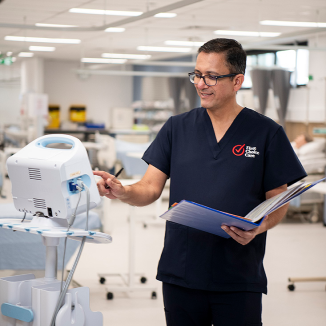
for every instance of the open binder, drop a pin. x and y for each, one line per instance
(210, 220)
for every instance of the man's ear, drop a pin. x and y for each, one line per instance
(238, 81)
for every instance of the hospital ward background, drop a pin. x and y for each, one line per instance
(110, 75)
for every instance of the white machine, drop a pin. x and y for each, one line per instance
(51, 175)
(54, 184)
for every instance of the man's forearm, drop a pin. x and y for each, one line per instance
(140, 194)
(273, 219)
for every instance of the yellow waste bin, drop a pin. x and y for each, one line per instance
(54, 117)
(78, 113)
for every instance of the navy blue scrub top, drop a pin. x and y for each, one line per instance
(232, 175)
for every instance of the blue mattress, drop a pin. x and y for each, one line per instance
(25, 251)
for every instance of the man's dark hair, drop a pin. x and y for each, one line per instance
(235, 55)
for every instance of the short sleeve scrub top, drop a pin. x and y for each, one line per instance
(232, 175)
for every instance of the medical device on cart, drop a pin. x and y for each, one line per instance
(52, 179)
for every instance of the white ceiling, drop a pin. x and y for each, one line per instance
(195, 21)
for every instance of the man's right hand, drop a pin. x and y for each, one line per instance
(114, 190)
(141, 193)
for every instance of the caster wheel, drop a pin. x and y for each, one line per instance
(291, 287)
(145, 226)
(314, 219)
(102, 280)
(109, 296)
(143, 280)
(154, 295)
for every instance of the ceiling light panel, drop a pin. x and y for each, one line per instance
(244, 33)
(184, 43)
(126, 56)
(26, 54)
(115, 29)
(53, 25)
(165, 15)
(104, 12)
(42, 48)
(102, 60)
(162, 49)
(42, 39)
(292, 23)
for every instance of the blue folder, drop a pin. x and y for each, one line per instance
(205, 218)
(210, 220)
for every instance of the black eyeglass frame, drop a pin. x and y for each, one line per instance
(203, 76)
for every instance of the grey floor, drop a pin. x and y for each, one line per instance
(293, 250)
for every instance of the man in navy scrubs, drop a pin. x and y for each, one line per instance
(226, 157)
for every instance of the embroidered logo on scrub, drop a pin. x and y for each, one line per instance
(238, 150)
(249, 151)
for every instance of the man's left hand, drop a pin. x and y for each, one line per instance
(242, 237)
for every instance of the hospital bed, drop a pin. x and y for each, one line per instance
(309, 206)
(111, 151)
(22, 251)
(321, 190)
(134, 166)
(312, 156)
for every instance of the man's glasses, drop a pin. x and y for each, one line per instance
(209, 80)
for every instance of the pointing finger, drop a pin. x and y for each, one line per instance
(104, 175)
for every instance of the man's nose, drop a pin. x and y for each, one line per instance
(201, 84)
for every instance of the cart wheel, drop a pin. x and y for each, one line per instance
(313, 217)
(154, 295)
(109, 296)
(145, 225)
(143, 280)
(291, 287)
(102, 280)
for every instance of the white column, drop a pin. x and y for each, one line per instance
(34, 105)
(317, 87)
(32, 76)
